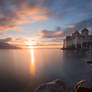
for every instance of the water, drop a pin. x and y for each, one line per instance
(24, 70)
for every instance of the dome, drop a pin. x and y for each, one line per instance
(76, 33)
(85, 30)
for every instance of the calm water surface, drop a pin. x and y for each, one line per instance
(24, 70)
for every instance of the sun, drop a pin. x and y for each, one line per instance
(31, 44)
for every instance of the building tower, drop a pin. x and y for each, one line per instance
(84, 34)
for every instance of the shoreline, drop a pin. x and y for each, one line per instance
(78, 49)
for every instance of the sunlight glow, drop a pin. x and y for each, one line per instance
(32, 62)
(32, 56)
(31, 44)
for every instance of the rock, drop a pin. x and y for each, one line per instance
(89, 62)
(54, 86)
(83, 86)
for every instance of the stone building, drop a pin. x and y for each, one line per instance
(79, 40)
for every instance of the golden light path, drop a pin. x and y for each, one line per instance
(32, 62)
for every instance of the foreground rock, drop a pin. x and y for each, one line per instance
(59, 86)
(83, 86)
(54, 86)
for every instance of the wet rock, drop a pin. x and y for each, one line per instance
(83, 86)
(54, 86)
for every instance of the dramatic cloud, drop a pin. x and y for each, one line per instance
(59, 34)
(5, 40)
(14, 41)
(50, 34)
(21, 40)
(71, 26)
(54, 35)
(90, 4)
(11, 27)
(14, 12)
(83, 15)
(80, 25)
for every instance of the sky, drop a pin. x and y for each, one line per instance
(42, 22)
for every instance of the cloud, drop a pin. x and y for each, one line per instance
(10, 27)
(5, 40)
(22, 40)
(82, 24)
(14, 41)
(59, 34)
(78, 26)
(71, 26)
(51, 34)
(14, 12)
(84, 15)
(90, 4)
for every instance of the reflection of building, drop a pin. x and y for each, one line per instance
(79, 40)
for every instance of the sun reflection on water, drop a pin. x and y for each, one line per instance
(32, 62)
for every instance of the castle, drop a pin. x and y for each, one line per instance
(78, 40)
